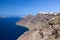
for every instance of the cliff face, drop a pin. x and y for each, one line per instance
(48, 27)
(33, 22)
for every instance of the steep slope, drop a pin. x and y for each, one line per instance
(33, 22)
(49, 30)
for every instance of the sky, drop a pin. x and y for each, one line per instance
(25, 7)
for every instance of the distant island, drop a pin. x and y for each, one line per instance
(2, 16)
(43, 26)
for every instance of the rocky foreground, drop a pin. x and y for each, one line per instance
(42, 27)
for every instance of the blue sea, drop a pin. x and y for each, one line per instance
(9, 30)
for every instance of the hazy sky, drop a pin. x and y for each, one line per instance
(25, 7)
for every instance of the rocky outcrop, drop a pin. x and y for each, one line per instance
(33, 22)
(48, 29)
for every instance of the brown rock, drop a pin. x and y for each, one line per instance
(42, 27)
(30, 35)
(33, 22)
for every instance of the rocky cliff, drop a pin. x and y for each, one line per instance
(42, 27)
(33, 22)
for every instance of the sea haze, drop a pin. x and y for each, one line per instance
(9, 30)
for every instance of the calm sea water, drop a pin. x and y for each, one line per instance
(9, 30)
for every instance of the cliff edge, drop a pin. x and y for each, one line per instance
(32, 22)
(48, 27)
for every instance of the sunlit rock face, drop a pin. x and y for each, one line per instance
(30, 35)
(32, 22)
(38, 34)
(48, 27)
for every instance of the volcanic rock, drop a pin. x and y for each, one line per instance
(42, 27)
